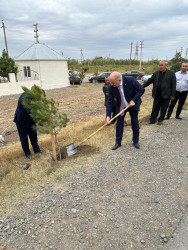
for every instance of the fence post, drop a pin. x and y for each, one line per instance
(12, 78)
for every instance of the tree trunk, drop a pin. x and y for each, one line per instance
(53, 144)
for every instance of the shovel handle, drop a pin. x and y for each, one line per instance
(103, 125)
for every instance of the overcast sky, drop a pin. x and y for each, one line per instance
(99, 27)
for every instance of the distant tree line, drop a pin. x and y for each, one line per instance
(174, 63)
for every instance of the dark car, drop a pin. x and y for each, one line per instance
(100, 77)
(74, 77)
(92, 79)
(136, 74)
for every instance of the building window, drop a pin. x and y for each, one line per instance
(27, 71)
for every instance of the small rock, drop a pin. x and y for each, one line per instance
(162, 236)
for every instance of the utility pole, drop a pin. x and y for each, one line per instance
(141, 47)
(186, 53)
(81, 56)
(130, 55)
(5, 36)
(136, 52)
(181, 50)
(36, 31)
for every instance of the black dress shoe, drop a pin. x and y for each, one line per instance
(136, 145)
(116, 146)
(159, 122)
(179, 118)
(39, 152)
(167, 118)
(150, 122)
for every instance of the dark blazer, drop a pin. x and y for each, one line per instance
(22, 117)
(168, 85)
(133, 90)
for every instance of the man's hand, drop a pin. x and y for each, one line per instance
(131, 103)
(108, 119)
(172, 98)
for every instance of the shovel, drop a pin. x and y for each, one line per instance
(72, 149)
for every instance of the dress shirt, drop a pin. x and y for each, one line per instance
(181, 81)
(121, 89)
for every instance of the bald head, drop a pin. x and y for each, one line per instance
(163, 65)
(115, 79)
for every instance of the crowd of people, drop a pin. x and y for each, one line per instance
(168, 88)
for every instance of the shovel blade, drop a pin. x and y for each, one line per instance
(71, 149)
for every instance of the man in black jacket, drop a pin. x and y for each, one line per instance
(105, 91)
(24, 124)
(164, 88)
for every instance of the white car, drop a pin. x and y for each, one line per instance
(145, 78)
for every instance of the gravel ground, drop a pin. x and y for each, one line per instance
(128, 199)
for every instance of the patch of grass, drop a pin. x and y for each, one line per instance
(19, 176)
(50, 170)
(4, 172)
(185, 107)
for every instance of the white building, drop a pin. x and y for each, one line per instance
(39, 62)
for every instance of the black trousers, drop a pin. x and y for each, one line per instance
(181, 98)
(159, 104)
(134, 122)
(24, 133)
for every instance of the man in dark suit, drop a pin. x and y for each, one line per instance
(105, 91)
(164, 88)
(126, 91)
(24, 125)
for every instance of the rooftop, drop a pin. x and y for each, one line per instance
(39, 51)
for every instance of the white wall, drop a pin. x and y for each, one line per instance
(13, 87)
(52, 74)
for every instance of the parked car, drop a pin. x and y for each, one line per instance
(136, 74)
(100, 77)
(145, 78)
(92, 79)
(74, 77)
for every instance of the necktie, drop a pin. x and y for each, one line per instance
(122, 106)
